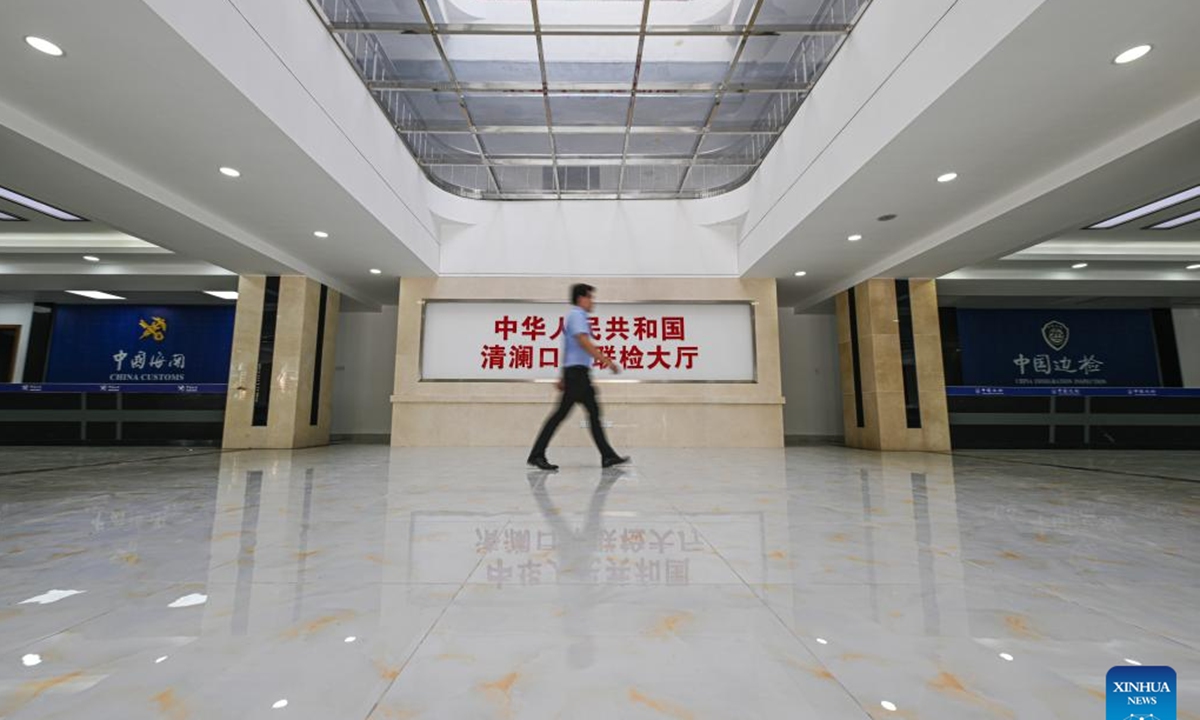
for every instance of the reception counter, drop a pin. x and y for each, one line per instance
(1079, 417)
(111, 414)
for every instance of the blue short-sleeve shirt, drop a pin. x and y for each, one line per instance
(573, 353)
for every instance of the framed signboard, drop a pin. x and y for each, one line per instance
(522, 341)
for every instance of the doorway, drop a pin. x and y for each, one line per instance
(10, 340)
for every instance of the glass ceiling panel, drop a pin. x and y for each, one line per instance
(766, 59)
(589, 110)
(607, 59)
(524, 111)
(457, 147)
(662, 144)
(432, 110)
(682, 59)
(687, 111)
(517, 145)
(530, 99)
(591, 144)
(494, 59)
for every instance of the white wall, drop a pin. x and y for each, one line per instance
(1187, 337)
(589, 238)
(809, 368)
(363, 372)
(18, 314)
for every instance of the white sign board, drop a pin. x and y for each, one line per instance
(660, 342)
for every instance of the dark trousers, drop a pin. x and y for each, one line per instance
(577, 388)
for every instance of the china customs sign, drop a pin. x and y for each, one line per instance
(140, 344)
(513, 340)
(1088, 348)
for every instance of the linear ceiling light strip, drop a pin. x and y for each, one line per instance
(1148, 209)
(1177, 221)
(716, 103)
(637, 74)
(537, 27)
(38, 206)
(7, 217)
(462, 100)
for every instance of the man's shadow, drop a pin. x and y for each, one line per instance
(578, 574)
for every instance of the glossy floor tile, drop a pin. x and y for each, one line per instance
(816, 582)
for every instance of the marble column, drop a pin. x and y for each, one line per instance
(883, 409)
(278, 376)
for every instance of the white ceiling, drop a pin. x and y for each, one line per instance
(42, 257)
(129, 129)
(1046, 133)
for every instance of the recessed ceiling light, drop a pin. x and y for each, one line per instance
(223, 294)
(1006, 656)
(91, 258)
(1148, 209)
(31, 659)
(1079, 266)
(95, 294)
(801, 273)
(43, 45)
(854, 238)
(376, 271)
(351, 639)
(823, 641)
(1133, 53)
(26, 201)
(947, 177)
(230, 172)
(1177, 221)
(888, 705)
(161, 659)
(321, 234)
(1194, 267)
(279, 704)
(886, 218)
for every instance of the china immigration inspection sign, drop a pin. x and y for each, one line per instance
(514, 340)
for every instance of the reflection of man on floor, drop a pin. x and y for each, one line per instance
(578, 553)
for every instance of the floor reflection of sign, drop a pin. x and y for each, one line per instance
(527, 551)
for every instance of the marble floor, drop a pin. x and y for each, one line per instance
(365, 582)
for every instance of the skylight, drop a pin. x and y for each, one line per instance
(546, 99)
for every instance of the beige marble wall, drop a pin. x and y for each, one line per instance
(884, 424)
(289, 412)
(645, 415)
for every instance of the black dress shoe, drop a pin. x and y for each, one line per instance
(542, 463)
(614, 460)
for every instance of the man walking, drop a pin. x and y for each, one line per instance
(576, 383)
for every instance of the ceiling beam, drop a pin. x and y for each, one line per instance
(705, 89)
(444, 29)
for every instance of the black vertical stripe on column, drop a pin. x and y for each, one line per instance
(315, 412)
(1170, 372)
(266, 352)
(854, 362)
(908, 355)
